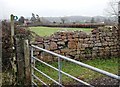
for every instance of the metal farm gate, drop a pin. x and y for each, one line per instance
(59, 82)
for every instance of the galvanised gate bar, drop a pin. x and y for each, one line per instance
(33, 68)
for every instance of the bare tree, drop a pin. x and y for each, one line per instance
(38, 18)
(112, 8)
(21, 20)
(63, 19)
(92, 20)
(112, 11)
(33, 18)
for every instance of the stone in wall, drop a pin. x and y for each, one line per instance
(47, 47)
(61, 43)
(70, 37)
(85, 45)
(82, 57)
(98, 44)
(46, 57)
(82, 35)
(53, 46)
(72, 45)
(77, 57)
(86, 40)
(39, 39)
(95, 31)
(76, 35)
(79, 45)
(90, 45)
(63, 37)
(65, 50)
(81, 40)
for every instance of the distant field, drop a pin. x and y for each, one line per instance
(47, 31)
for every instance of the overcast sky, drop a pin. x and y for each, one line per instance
(52, 7)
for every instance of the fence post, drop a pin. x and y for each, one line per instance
(59, 73)
(27, 63)
(13, 48)
(32, 70)
(23, 62)
(12, 28)
(20, 60)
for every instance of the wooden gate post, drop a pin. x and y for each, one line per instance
(13, 47)
(23, 62)
(27, 63)
(20, 60)
(12, 28)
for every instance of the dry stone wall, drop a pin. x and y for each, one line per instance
(101, 42)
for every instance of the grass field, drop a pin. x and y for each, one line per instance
(110, 65)
(47, 31)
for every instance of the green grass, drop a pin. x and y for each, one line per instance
(47, 31)
(110, 65)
